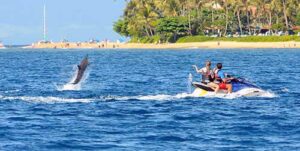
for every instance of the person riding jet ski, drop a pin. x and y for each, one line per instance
(207, 75)
(223, 83)
(220, 79)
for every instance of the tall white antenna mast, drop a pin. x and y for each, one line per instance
(45, 28)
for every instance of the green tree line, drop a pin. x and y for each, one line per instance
(168, 20)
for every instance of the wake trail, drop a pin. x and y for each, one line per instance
(158, 97)
(166, 97)
(46, 99)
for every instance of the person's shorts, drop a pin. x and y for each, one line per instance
(222, 85)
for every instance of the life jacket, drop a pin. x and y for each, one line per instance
(216, 76)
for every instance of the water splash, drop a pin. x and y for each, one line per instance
(74, 87)
(189, 83)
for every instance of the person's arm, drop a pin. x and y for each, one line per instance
(224, 79)
(196, 68)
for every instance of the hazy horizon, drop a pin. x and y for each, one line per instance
(22, 22)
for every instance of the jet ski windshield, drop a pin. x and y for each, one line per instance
(240, 83)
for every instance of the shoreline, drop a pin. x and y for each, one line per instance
(216, 45)
(195, 45)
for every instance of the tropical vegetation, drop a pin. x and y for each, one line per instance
(170, 20)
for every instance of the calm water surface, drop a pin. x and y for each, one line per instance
(130, 101)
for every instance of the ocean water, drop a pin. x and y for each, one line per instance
(138, 100)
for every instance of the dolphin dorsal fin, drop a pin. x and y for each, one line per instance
(78, 67)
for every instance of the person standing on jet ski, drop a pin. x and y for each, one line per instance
(207, 75)
(221, 80)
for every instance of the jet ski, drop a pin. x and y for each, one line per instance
(239, 86)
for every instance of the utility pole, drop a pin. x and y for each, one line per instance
(45, 27)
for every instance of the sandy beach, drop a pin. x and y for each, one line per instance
(213, 44)
(221, 44)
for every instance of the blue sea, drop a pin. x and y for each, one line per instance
(138, 100)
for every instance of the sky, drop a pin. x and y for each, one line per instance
(21, 21)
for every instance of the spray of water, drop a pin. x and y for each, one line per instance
(74, 87)
(189, 83)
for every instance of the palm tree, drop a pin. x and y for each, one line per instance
(226, 20)
(140, 14)
(292, 7)
(246, 6)
(237, 7)
(276, 8)
(167, 7)
(284, 3)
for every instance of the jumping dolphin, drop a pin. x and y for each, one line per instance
(81, 69)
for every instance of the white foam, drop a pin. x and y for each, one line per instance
(260, 93)
(74, 87)
(47, 99)
(165, 97)
(11, 91)
(69, 87)
(285, 90)
(268, 94)
(158, 97)
(247, 92)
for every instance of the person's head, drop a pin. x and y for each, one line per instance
(219, 65)
(208, 63)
